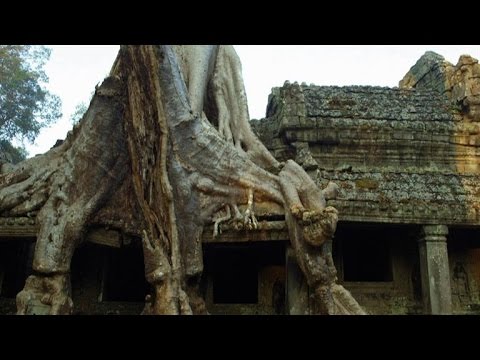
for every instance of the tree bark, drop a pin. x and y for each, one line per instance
(164, 149)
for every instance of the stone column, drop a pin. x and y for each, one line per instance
(434, 270)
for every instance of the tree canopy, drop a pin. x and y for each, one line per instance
(26, 105)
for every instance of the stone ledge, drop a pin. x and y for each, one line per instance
(13, 228)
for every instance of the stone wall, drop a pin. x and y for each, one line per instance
(459, 83)
(405, 156)
(398, 155)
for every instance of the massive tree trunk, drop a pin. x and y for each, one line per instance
(164, 149)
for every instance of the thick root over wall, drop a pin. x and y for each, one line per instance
(171, 125)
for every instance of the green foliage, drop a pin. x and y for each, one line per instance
(10, 153)
(26, 105)
(78, 113)
(81, 109)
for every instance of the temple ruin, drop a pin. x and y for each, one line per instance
(406, 164)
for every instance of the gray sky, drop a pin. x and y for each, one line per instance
(75, 70)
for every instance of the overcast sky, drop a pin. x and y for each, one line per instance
(75, 70)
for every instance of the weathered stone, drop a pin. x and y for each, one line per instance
(304, 156)
(400, 139)
(166, 149)
(399, 156)
(434, 270)
(460, 83)
(105, 237)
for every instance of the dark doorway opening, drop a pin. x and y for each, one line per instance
(101, 273)
(86, 273)
(15, 265)
(234, 271)
(365, 251)
(235, 276)
(124, 278)
(460, 238)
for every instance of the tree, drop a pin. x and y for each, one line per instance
(78, 112)
(26, 105)
(11, 154)
(164, 149)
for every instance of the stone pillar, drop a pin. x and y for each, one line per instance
(297, 297)
(434, 270)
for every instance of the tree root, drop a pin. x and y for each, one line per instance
(238, 221)
(249, 219)
(318, 226)
(311, 223)
(216, 225)
(45, 295)
(142, 127)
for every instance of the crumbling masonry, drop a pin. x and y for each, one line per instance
(406, 164)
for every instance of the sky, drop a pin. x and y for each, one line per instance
(74, 70)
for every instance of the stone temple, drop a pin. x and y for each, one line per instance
(406, 161)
